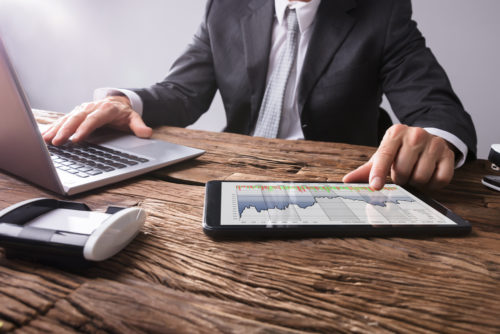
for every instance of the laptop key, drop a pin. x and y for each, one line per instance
(129, 162)
(105, 168)
(118, 165)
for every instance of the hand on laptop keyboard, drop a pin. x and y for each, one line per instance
(115, 111)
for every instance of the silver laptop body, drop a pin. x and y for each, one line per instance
(24, 153)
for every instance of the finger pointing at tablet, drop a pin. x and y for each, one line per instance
(410, 155)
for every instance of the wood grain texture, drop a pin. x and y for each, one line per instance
(174, 279)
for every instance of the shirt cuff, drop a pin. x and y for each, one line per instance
(455, 141)
(135, 99)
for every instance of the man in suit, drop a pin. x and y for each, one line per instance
(347, 53)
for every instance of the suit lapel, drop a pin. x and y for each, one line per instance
(330, 29)
(256, 28)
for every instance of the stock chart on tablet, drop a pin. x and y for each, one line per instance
(323, 204)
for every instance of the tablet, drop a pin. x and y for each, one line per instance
(240, 209)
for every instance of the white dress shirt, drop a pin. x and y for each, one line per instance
(290, 125)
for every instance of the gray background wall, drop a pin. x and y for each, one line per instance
(63, 49)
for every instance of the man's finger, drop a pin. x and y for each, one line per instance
(424, 169)
(360, 174)
(104, 114)
(413, 143)
(444, 171)
(138, 127)
(69, 127)
(385, 155)
(435, 162)
(427, 164)
(50, 133)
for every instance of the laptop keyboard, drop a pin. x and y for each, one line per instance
(85, 159)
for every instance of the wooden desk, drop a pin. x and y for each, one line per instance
(172, 278)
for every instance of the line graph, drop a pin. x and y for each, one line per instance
(282, 197)
(321, 203)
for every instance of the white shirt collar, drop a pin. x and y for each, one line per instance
(306, 11)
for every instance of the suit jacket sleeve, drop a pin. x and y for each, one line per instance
(416, 85)
(189, 88)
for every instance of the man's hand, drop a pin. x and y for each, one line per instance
(412, 156)
(115, 111)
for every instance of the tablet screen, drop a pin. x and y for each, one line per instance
(265, 203)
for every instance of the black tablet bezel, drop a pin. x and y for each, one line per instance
(213, 228)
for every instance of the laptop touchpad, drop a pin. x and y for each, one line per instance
(119, 140)
(125, 142)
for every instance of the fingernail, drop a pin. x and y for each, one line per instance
(73, 138)
(376, 183)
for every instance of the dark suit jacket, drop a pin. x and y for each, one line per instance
(359, 50)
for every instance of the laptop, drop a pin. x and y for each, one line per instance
(108, 156)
